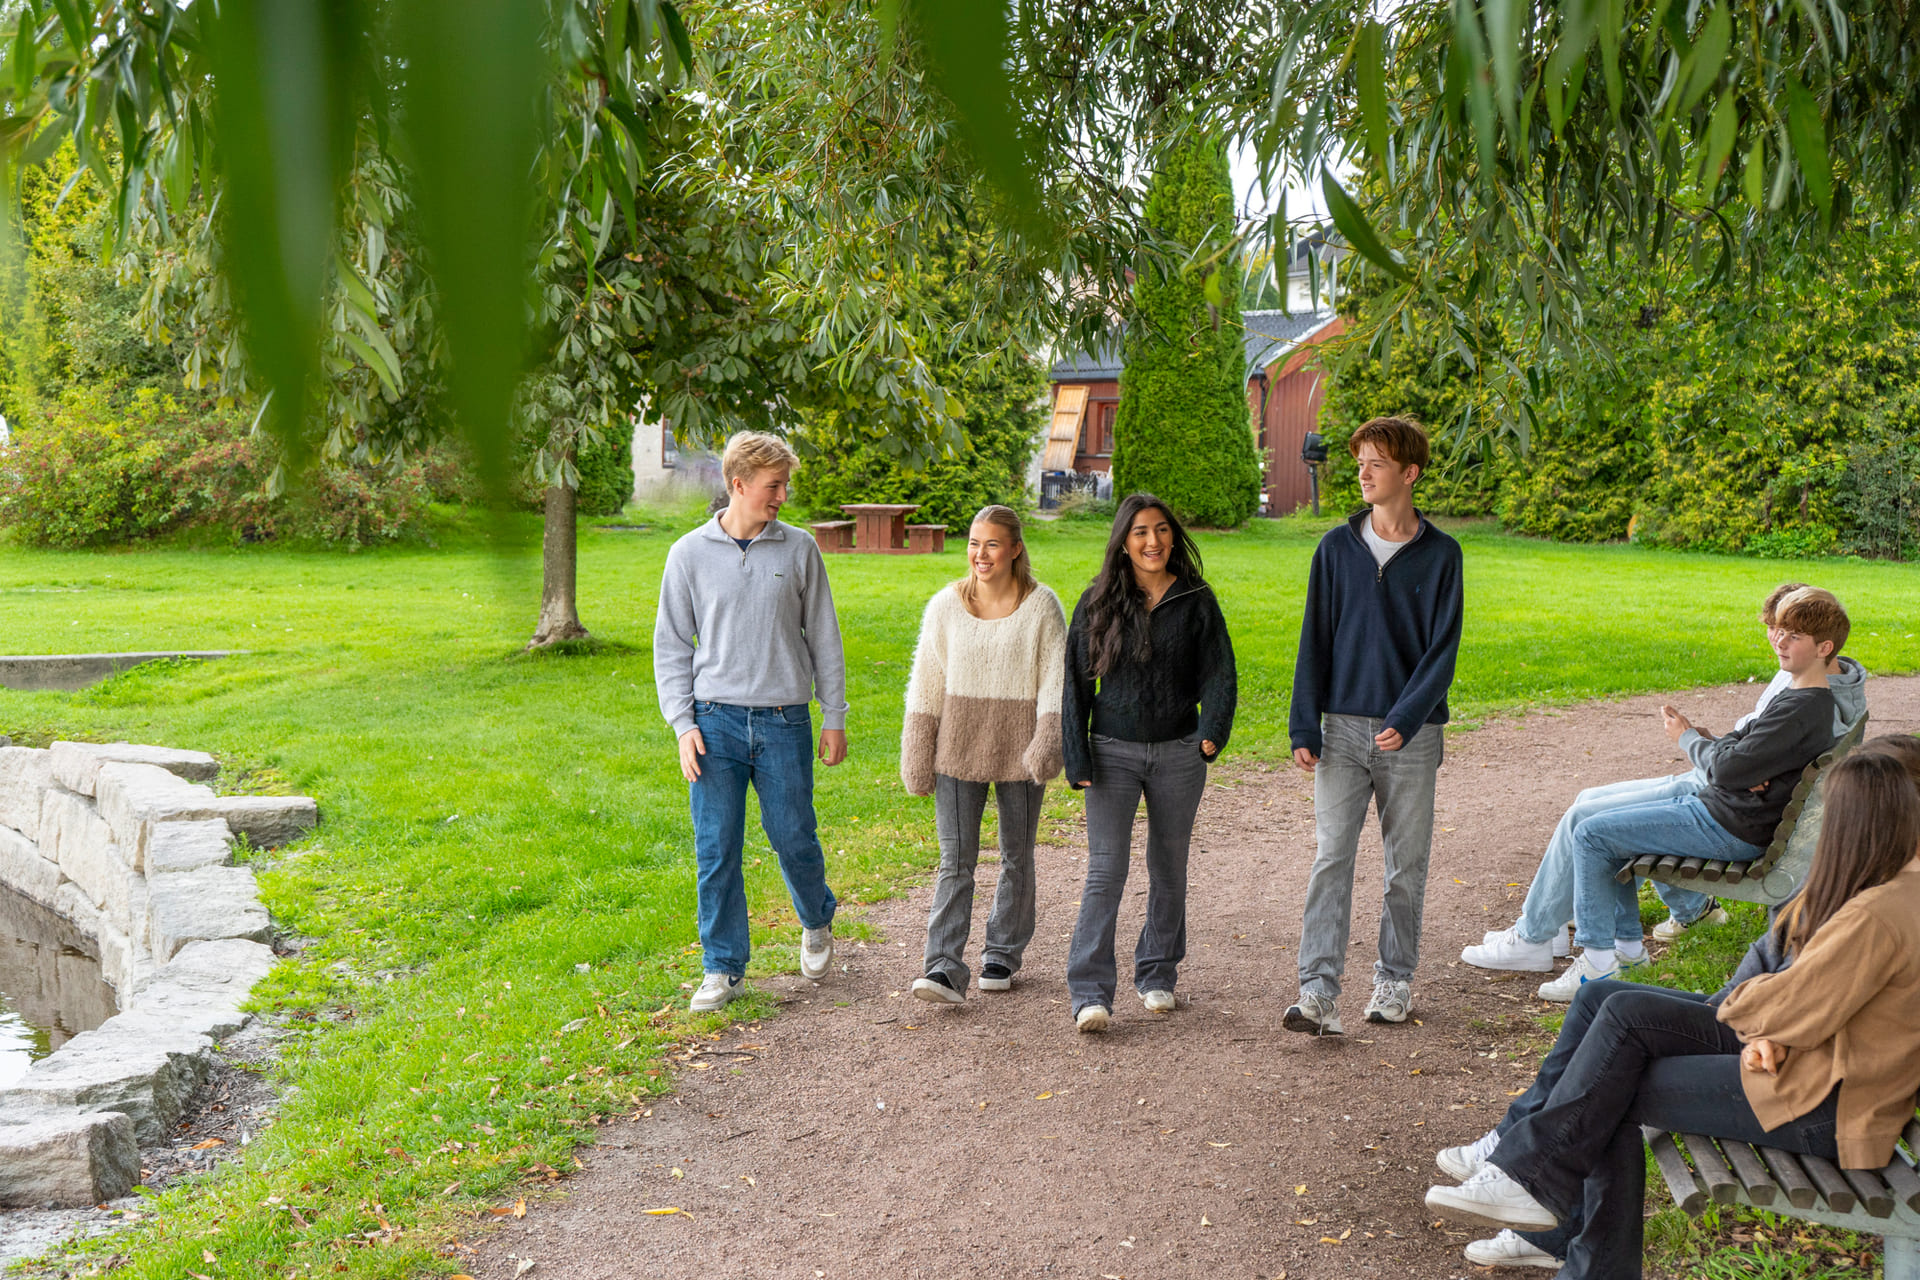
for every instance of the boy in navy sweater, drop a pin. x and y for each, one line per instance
(1377, 650)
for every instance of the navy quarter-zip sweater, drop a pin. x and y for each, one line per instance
(1377, 640)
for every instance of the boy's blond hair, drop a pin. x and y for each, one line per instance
(1770, 607)
(1400, 438)
(750, 452)
(1816, 613)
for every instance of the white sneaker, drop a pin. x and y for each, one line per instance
(716, 990)
(1509, 1250)
(1157, 1001)
(1392, 1002)
(1562, 943)
(816, 952)
(1563, 988)
(1490, 1196)
(937, 990)
(1461, 1163)
(1506, 949)
(1092, 1018)
(1314, 1014)
(1670, 928)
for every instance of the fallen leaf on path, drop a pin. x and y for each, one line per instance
(1204, 1222)
(1514, 1093)
(210, 1142)
(1042, 1097)
(526, 1265)
(1300, 1190)
(662, 1213)
(1219, 1144)
(1306, 1222)
(206, 1255)
(1328, 1240)
(519, 1208)
(679, 1173)
(1346, 1233)
(748, 1179)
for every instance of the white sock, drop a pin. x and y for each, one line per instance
(1601, 960)
(1632, 952)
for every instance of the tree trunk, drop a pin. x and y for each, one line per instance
(559, 560)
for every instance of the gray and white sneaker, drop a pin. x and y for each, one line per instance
(816, 952)
(1490, 1196)
(1461, 1163)
(1673, 927)
(1157, 1000)
(716, 991)
(1509, 1250)
(1313, 1014)
(1392, 1001)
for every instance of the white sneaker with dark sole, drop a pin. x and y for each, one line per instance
(1509, 1250)
(1312, 1014)
(1392, 1002)
(716, 991)
(1490, 1196)
(1092, 1018)
(816, 952)
(1157, 1001)
(1505, 949)
(1461, 1163)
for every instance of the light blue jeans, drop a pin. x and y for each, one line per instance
(1608, 841)
(1353, 772)
(1549, 904)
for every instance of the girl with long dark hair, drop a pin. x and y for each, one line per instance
(1812, 1054)
(1148, 704)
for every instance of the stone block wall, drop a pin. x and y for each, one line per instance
(130, 844)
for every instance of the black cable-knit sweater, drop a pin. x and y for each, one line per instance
(1191, 662)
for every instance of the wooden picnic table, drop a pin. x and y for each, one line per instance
(880, 526)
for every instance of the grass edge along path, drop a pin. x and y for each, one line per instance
(496, 911)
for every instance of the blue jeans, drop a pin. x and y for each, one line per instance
(771, 748)
(1608, 841)
(1354, 772)
(1629, 1055)
(1549, 904)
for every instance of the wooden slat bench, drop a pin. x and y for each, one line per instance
(833, 535)
(1775, 875)
(925, 539)
(1885, 1204)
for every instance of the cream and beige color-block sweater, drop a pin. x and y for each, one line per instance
(983, 703)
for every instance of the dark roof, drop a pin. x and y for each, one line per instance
(1269, 336)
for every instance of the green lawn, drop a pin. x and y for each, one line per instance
(492, 821)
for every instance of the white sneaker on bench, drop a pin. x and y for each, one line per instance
(1506, 949)
(1509, 1250)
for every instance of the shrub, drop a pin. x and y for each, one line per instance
(1184, 431)
(88, 474)
(606, 473)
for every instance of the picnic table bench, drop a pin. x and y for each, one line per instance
(1775, 875)
(833, 535)
(1885, 1204)
(926, 538)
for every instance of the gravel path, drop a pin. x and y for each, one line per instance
(864, 1134)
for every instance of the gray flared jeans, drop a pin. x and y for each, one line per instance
(957, 809)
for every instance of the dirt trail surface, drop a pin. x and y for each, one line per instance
(863, 1134)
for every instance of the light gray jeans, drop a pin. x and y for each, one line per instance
(957, 809)
(1171, 776)
(1353, 771)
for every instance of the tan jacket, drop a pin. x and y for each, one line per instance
(1848, 1012)
(983, 702)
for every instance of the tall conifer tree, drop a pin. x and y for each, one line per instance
(1184, 431)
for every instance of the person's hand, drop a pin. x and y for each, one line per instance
(1079, 786)
(1389, 740)
(1676, 724)
(1305, 758)
(1763, 1055)
(1208, 749)
(692, 747)
(1760, 788)
(833, 746)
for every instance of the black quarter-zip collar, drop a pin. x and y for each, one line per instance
(1366, 513)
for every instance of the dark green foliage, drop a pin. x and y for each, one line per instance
(998, 392)
(1778, 425)
(1184, 431)
(606, 473)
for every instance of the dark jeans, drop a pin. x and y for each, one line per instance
(1629, 1055)
(1171, 775)
(771, 750)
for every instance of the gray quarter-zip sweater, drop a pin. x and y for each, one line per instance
(750, 628)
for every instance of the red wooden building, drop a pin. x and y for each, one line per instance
(1284, 391)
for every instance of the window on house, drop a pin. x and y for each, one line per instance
(1099, 429)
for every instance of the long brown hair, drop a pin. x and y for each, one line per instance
(1117, 629)
(1023, 580)
(1903, 747)
(1869, 831)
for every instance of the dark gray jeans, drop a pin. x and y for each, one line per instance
(957, 809)
(1171, 775)
(1352, 772)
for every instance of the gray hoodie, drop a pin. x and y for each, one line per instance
(749, 627)
(1849, 689)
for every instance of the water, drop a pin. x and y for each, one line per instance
(50, 989)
